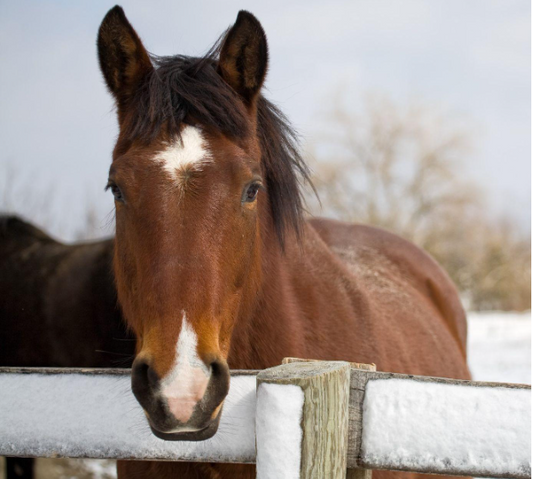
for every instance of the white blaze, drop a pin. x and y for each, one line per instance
(187, 381)
(190, 151)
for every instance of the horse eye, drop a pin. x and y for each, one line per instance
(116, 191)
(251, 193)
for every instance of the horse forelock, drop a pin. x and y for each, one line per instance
(182, 90)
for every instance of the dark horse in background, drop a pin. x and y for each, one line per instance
(216, 267)
(58, 307)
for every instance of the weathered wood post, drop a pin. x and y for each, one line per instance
(302, 420)
(355, 429)
(357, 393)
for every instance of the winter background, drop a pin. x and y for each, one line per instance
(464, 64)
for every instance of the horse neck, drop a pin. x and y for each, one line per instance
(258, 339)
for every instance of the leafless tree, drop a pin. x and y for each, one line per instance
(403, 169)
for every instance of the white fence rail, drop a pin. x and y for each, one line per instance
(394, 421)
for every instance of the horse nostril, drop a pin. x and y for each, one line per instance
(216, 368)
(143, 376)
(153, 378)
(220, 378)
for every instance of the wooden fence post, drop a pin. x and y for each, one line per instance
(355, 421)
(314, 397)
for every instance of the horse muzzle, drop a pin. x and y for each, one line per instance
(185, 405)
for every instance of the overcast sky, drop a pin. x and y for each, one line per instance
(469, 57)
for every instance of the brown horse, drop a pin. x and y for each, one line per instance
(216, 267)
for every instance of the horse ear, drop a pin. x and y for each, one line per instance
(244, 56)
(123, 59)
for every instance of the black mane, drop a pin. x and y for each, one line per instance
(180, 87)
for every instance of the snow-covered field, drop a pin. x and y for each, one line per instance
(499, 346)
(499, 349)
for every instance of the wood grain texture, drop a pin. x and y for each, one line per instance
(355, 424)
(366, 367)
(357, 385)
(326, 387)
(98, 371)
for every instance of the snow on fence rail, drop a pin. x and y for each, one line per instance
(309, 419)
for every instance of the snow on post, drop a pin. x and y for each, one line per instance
(279, 430)
(302, 420)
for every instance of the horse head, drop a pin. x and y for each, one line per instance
(203, 168)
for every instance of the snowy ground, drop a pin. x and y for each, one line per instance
(499, 349)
